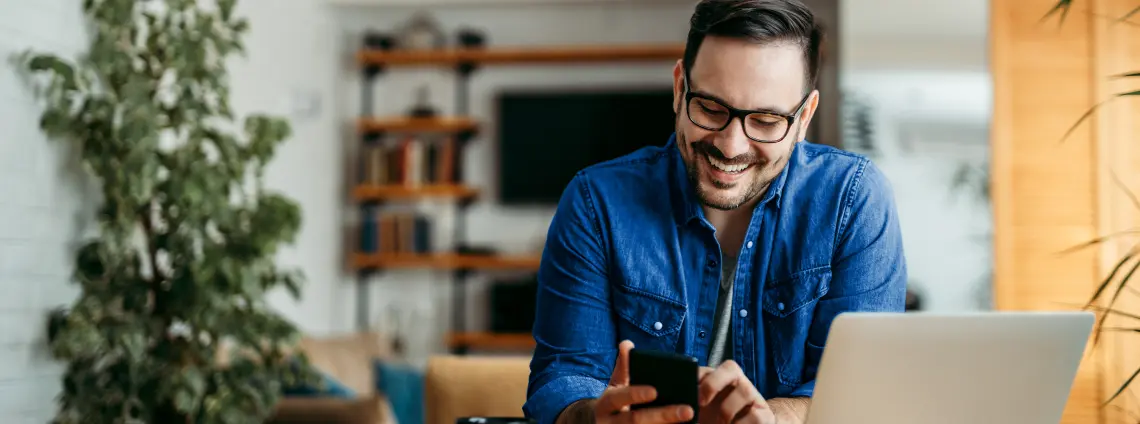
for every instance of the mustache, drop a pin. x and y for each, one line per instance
(711, 150)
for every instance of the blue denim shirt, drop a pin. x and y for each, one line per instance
(629, 255)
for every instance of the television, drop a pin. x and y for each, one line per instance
(547, 136)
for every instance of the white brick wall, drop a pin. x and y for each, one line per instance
(39, 212)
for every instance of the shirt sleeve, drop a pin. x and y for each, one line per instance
(573, 328)
(869, 267)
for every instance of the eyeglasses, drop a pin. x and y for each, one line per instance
(759, 126)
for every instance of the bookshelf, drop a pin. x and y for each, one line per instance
(388, 192)
(395, 167)
(494, 341)
(455, 125)
(447, 261)
(523, 55)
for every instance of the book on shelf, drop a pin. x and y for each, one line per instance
(411, 161)
(394, 232)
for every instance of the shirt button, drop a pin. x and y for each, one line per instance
(701, 334)
(780, 306)
(657, 325)
(712, 263)
(743, 313)
(748, 246)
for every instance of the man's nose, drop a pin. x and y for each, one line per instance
(732, 141)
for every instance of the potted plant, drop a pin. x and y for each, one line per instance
(187, 232)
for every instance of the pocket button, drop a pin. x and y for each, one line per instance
(657, 325)
(780, 306)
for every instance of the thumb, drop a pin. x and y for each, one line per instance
(620, 376)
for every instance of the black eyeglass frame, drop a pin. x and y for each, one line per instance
(734, 113)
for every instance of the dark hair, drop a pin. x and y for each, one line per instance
(761, 21)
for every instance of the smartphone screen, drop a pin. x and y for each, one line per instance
(673, 375)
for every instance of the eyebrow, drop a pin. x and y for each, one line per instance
(767, 109)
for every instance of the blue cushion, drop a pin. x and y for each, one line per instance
(403, 385)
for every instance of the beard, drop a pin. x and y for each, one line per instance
(714, 193)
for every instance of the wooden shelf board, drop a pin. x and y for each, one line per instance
(446, 261)
(400, 191)
(409, 125)
(522, 55)
(491, 340)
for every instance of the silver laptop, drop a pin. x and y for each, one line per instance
(928, 368)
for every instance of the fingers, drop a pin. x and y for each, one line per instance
(737, 404)
(726, 395)
(616, 399)
(714, 382)
(620, 375)
(702, 372)
(659, 415)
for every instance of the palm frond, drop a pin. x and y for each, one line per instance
(1122, 387)
(1061, 7)
(1120, 289)
(1129, 14)
(1127, 191)
(1115, 312)
(1099, 240)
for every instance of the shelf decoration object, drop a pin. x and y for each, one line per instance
(423, 107)
(377, 40)
(471, 38)
(422, 32)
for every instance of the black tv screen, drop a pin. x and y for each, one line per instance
(545, 137)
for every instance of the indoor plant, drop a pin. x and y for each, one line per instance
(1111, 287)
(184, 251)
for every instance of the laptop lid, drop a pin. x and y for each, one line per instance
(932, 368)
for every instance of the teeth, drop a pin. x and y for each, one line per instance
(724, 166)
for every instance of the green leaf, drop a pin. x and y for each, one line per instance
(1120, 288)
(1062, 7)
(185, 401)
(1122, 387)
(1129, 14)
(51, 63)
(1088, 113)
(1111, 311)
(1099, 240)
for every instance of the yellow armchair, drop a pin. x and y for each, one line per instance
(471, 386)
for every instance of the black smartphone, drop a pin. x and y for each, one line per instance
(673, 375)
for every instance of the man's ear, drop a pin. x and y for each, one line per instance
(808, 113)
(678, 85)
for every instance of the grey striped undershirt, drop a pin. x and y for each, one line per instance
(720, 348)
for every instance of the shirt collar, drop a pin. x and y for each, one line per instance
(687, 207)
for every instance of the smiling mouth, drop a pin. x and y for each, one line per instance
(725, 167)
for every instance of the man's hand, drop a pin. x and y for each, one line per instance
(727, 397)
(613, 407)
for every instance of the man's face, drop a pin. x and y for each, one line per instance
(726, 167)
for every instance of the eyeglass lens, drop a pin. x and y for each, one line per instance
(757, 126)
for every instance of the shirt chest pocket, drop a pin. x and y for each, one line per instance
(649, 321)
(789, 309)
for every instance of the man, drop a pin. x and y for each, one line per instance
(737, 242)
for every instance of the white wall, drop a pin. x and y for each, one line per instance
(39, 207)
(928, 123)
(923, 66)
